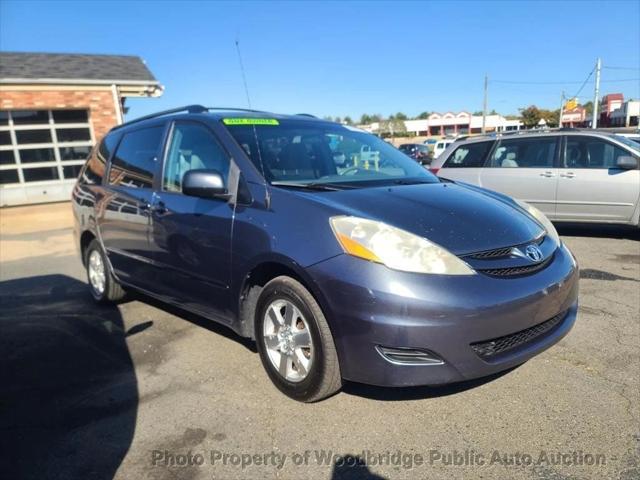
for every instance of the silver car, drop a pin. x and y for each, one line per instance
(571, 175)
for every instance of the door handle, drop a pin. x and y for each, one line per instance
(547, 174)
(568, 175)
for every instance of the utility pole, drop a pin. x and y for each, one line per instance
(484, 106)
(561, 109)
(596, 96)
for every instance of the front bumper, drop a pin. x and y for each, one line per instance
(369, 305)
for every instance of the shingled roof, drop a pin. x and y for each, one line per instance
(17, 67)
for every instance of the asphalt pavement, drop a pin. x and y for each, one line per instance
(144, 391)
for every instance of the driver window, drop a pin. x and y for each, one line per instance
(192, 147)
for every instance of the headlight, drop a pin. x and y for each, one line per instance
(395, 248)
(542, 220)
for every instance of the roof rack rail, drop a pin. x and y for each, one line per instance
(305, 115)
(235, 109)
(186, 108)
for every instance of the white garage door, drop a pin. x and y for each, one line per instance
(41, 153)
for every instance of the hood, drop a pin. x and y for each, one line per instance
(463, 220)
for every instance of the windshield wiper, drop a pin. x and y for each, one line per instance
(326, 187)
(411, 181)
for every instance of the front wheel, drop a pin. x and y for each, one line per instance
(295, 343)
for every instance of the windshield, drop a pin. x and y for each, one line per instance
(303, 152)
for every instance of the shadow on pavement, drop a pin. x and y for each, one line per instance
(393, 394)
(353, 467)
(68, 391)
(598, 230)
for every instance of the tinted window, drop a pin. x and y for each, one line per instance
(468, 156)
(74, 153)
(73, 134)
(70, 116)
(28, 117)
(71, 171)
(34, 155)
(591, 152)
(33, 136)
(7, 157)
(40, 174)
(536, 152)
(134, 162)
(9, 176)
(4, 117)
(192, 147)
(94, 171)
(5, 138)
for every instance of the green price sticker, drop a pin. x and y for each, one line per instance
(250, 121)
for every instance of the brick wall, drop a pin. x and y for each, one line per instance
(102, 112)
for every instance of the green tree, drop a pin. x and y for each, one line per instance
(365, 119)
(588, 107)
(400, 116)
(424, 115)
(348, 120)
(392, 127)
(328, 118)
(530, 116)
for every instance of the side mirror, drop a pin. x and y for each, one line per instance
(204, 184)
(627, 162)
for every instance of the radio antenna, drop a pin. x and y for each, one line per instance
(244, 77)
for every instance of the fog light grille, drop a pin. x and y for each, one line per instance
(409, 356)
(491, 348)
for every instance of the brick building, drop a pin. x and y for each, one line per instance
(53, 108)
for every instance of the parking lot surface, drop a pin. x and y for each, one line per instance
(146, 391)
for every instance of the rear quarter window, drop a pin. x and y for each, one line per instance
(471, 155)
(134, 162)
(95, 168)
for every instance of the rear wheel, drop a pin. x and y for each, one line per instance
(102, 284)
(295, 343)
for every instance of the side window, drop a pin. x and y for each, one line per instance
(536, 152)
(135, 159)
(468, 156)
(192, 147)
(95, 167)
(591, 152)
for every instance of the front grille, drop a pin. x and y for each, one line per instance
(489, 349)
(502, 252)
(513, 271)
(498, 253)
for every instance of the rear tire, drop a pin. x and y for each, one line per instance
(295, 343)
(103, 286)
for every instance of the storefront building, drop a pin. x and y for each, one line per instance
(53, 108)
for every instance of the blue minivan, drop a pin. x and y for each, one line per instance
(342, 257)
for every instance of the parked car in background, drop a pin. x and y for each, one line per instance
(441, 146)
(576, 176)
(378, 272)
(631, 136)
(418, 151)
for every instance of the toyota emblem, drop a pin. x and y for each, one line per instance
(533, 253)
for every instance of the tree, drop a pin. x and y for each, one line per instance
(424, 115)
(328, 118)
(552, 117)
(365, 119)
(530, 116)
(392, 127)
(347, 120)
(479, 113)
(588, 107)
(400, 116)
(337, 120)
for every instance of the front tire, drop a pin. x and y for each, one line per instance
(295, 343)
(102, 284)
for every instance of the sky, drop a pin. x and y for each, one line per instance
(348, 58)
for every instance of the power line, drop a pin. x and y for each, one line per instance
(585, 82)
(623, 68)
